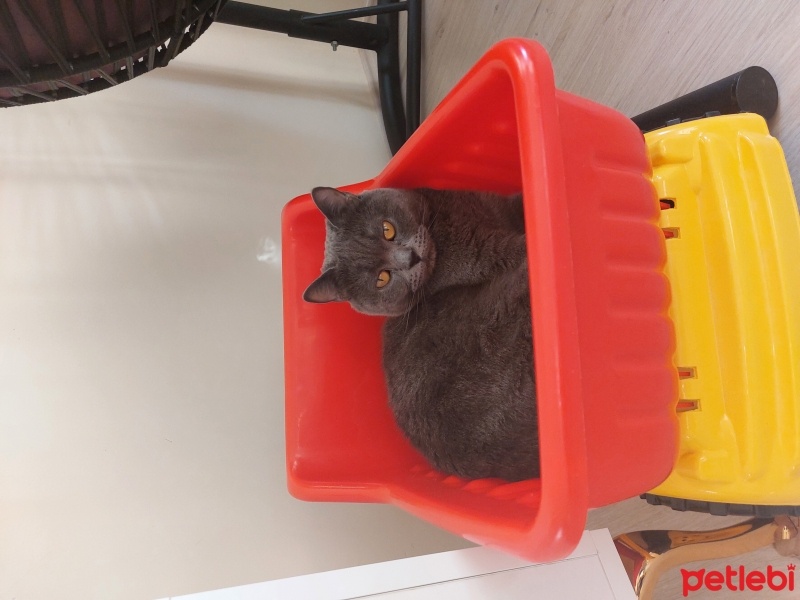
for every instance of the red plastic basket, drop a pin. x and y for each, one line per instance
(603, 342)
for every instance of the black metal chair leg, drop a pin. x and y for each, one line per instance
(389, 87)
(413, 65)
(337, 29)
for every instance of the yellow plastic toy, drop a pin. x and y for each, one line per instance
(733, 247)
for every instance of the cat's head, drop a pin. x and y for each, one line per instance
(378, 251)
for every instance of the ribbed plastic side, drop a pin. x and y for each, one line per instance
(627, 341)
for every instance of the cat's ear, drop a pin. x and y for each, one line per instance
(330, 201)
(323, 289)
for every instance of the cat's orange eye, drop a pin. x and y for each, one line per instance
(383, 278)
(388, 232)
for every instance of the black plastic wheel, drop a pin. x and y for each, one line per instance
(722, 509)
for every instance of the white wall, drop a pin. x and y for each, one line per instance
(141, 368)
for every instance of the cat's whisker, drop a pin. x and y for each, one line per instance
(408, 311)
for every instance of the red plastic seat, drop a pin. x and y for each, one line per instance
(603, 342)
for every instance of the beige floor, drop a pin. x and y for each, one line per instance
(633, 55)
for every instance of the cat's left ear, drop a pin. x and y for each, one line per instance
(323, 289)
(330, 201)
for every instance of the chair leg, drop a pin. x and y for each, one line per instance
(337, 29)
(646, 555)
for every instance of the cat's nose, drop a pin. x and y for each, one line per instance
(413, 259)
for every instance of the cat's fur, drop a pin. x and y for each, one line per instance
(457, 348)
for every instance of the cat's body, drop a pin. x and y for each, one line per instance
(451, 274)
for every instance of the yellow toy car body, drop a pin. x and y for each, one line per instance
(733, 250)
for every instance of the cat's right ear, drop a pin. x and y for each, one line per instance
(323, 289)
(330, 201)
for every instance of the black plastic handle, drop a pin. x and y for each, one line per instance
(751, 90)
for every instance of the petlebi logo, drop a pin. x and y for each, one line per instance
(738, 579)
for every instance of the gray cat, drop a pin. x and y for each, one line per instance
(449, 269)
